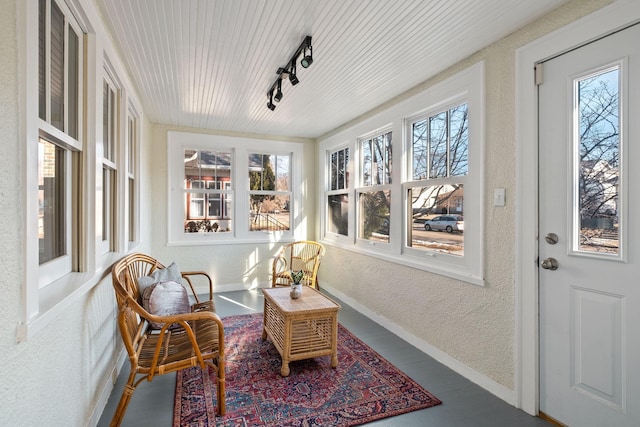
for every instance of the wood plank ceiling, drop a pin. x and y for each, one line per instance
(209, 63)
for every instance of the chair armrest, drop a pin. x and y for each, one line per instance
(187, 274)
(183, 320)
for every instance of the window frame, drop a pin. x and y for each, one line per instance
(84, 267)
(53, 270)
(468, 85)
(429, 181)
(340, 190)
(367, 186)
(241, 147)
(109, 152)
(131, 172)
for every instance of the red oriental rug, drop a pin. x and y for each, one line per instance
(363, 388)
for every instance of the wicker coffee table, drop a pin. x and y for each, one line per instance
(301, 328)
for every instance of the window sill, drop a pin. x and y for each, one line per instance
(55, 298)
(451, 271)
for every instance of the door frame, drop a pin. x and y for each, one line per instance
(596, 25)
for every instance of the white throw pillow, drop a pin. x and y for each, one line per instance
(165, 299)
(171, 273)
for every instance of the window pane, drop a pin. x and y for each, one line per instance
(419, 149)
(374, 220)
(343, 172)
(132, 217)
(209, 210)
(437, 223)
(599, 162)
(338, 170)
(106, 121)
(261, 172)
(366, 163)
(51, 201)
(73, 83)
(108, 206)
(57, 67)
(459, 144)
(42, 64)
(338, 214)
(438, 145)
(269, 212)
(282, 172)
(376, 160)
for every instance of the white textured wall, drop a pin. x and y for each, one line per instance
(474, 325)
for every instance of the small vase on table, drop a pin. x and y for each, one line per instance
(296, 286)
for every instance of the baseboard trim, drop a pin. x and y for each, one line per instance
(107, 389)
(471, 374)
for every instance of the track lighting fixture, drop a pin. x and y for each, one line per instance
(289, 71)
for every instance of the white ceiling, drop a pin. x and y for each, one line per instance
(209, 63)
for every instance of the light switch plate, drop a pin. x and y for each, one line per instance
(498, 197)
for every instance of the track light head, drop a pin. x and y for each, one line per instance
(270, 105)
(292, 75)
(307, 59)
(278, 96)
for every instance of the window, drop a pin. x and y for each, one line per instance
(374, 193)
(269, 192)
(208, 190)
(225, 189)
(337, 195)
(110, 145)
(58, 144)
(439, 145)
(425, 211)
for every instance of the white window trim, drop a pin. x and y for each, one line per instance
(132, 239)
(113, 241)
(468, 84)
(241, 147)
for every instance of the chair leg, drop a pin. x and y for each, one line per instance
(124, 400)
(222, 406)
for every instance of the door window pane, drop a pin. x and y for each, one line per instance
(599, 162)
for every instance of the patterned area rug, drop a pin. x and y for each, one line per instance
(363, 388)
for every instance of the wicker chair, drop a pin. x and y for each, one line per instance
(185, 340)
(303, 255)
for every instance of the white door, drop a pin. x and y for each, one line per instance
(589, 243)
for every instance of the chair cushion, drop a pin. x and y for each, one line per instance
(165, 299)
(170, 273)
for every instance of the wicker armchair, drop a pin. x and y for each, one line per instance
(303, 255)
(185, 340)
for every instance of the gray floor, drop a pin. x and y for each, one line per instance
(464, 403)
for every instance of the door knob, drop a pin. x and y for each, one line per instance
(550, 264)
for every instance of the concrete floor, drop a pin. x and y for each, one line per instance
(464, 403)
